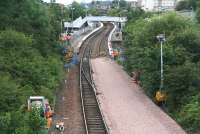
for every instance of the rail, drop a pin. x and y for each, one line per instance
(93, 117)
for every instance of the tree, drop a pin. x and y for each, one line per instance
(30, 63)
(114, 12)
(187, 5)
(183, 5)
(76, 10)
(93, 11)
(181, 62)
(198, 15)
(119, 3)
(36, 122)
(9, 97)
(17, 122)
(5, 123)
(135, 13)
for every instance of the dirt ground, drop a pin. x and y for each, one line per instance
(69, 104)
(126, 108)
(68, 101)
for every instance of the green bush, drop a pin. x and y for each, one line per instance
(18, 122)
(30, 63)
(181, 61)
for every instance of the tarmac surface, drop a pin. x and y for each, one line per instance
(127, 110)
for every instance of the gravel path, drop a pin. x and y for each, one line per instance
(126, 108)
(68, 104)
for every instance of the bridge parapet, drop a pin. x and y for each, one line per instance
(106, 19)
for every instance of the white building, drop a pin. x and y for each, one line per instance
(155, 5)
(147, 5)
(164, 5)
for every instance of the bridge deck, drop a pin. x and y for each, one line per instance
(126, 108)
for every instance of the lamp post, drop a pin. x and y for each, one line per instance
(161, 39)
(61, 21)
(191, 14)
(118, 4)
(72, 17)
(119, 25)
(86, 12)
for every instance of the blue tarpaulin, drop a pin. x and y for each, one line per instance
(73, 61)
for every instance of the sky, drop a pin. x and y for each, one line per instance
(67, 2)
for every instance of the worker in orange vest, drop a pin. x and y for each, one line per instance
(160, 97)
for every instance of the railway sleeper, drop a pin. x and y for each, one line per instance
(101, 126)
(96, 130)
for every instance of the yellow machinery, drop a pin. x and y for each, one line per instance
(68, 55)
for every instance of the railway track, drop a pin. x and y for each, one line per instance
(93, 118)
(102, 47)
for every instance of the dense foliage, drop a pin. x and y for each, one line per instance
(22, 123)
(30, 63)
(124, 9)
(77, 10)
(192, 5)
(197, 5)
(119, 3)
(181, 63)
(93, 11)
(186, 5)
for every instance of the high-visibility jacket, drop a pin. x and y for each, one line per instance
(160, 96)
(49, 122)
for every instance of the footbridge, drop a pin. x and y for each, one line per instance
(106, 19)
(83, 22)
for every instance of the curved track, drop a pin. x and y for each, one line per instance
(94, 122)
(100, 47)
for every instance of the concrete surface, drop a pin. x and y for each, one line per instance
(127, 110)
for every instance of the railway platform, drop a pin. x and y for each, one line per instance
(127, 110)
(76, 43)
